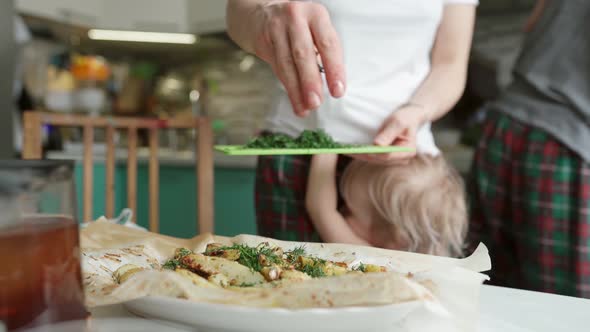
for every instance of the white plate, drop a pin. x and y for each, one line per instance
(113, 325)
(217, 317)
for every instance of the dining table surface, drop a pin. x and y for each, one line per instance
(501, 309)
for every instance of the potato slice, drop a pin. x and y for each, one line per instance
(195, 278)
(330, 269)
(216, 249)
(220, 280)
(371, 268)
(213, 247)
(294, 275)
(125, 272)
(231, 254)
(206, 266)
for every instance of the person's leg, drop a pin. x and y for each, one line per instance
(489, 200)
(281, 184)
(530, 206)
(555, 235)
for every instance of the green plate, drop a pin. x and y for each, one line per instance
(239, 150)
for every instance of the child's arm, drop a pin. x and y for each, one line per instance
(321, 201)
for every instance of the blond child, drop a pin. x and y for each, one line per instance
(419, 206)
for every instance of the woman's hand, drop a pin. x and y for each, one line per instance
(399, 129)
(290, 35)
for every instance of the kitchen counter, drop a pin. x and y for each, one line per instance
(166, 157)
(458, 155)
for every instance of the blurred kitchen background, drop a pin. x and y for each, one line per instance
(67, 59)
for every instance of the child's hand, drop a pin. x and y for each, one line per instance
(399, 129)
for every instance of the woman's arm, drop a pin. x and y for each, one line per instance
(441, 89)
(450, 56)
(321, 201)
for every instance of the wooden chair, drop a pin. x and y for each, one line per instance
(32, 149)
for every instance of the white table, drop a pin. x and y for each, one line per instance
(511, 310)
(502, 310)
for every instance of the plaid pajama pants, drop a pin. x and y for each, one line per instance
(531, 207)
(281, 184)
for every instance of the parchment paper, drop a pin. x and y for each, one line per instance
(441, 290)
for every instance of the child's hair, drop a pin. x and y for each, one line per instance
(424, 202)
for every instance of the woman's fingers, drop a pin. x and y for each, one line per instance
(294, 37)
(394, 132)
(284, 66)
(330, 50)
(389, 132)
(303, 54)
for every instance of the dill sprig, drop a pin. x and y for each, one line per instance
(249, 255)
(315, 269)
(171, 264)
(183, 252)
(175, 262)
(297, 251)
(361, 267)
(293, 255)
(248, 284)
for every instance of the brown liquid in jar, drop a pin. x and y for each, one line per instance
(40, 276)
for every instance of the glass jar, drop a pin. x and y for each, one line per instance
(40, 274)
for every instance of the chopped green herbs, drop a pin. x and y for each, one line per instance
(361, 267)
(248, 284)
(183, 252)
(309, 139)
(298, 251)
(293, 255)
(249, 256)
(267, 256)
(171, 264)
(315, 269)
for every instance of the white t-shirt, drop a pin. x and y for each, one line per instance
(387, 46)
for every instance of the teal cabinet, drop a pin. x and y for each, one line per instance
(234, 198)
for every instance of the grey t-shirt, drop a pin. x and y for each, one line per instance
(551, 87)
